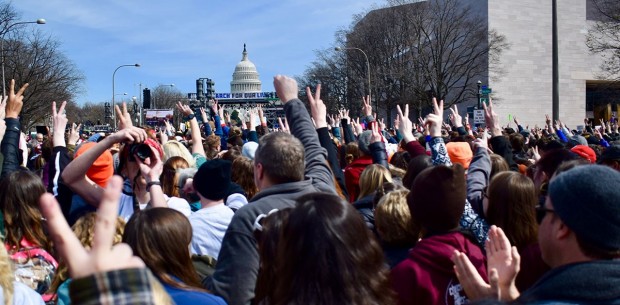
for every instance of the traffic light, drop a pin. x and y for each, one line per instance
(210, 89)
(146, 98)
(107, 111)
(200, 89)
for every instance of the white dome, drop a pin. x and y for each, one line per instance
(245, 77)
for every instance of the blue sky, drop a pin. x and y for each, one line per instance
(180, 41)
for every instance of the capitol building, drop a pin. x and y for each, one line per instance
(245, 77)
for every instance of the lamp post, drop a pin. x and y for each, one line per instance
(479, 94)
(367, 69)
(114, 104)
(6, 30)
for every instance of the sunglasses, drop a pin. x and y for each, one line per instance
(541, 212)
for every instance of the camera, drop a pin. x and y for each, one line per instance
(143, 151)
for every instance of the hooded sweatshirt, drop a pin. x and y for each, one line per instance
(427, 275)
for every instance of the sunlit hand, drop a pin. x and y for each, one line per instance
(434, 120)
(74, 134)
(492, 119)
(456, 118)
(367, 107)
(152, 167)
(405, 127)
(286, 88)
(124, 118)
(16, 100)
(184, 109)
(317, 107)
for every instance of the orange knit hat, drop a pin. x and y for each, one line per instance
(102, 169)
(460, 152)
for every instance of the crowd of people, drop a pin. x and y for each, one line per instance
(320, 209)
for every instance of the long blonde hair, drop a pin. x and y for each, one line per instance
(6, 276)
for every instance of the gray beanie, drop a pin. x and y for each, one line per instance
(587, 199)
(363, 141)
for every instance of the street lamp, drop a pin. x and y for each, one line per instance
(114, 104)
(479, 83)
(367, 69)
(6, 30)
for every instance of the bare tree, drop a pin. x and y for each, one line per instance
(604, 36)
(416, 50)
(34, 58)
(165, 97)
(87, 113)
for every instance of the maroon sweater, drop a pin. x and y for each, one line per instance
(427, 275)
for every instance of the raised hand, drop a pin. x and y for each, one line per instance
(130, 135)
(2, 129)
(344, 114)
(124, 118)
(220, 111)
(547, 120)
(492, 119)
(381, 124)
(261, 115)
(367, 107)
(405, 127)
(514, 118)
(286, 88)
(472, 282)
(152, 167)
(16, 100)
(184, 109)
(103, 255)
(253, 117)
(358, 126)
(482, 142)
(455, 118)
(74, 134)
(59, 118)
(331, 121)
(505, 260)
(283, 125)
(435, 120)
(59, 121)
(203, 114)
(375, 136)
(3, 107)
(317, 107)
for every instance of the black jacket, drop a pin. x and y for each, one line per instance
(595, 282)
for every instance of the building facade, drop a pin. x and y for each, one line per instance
(525, 88)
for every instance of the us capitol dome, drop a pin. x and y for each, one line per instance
(245, 77)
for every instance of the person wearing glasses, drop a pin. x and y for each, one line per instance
(579, 237)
